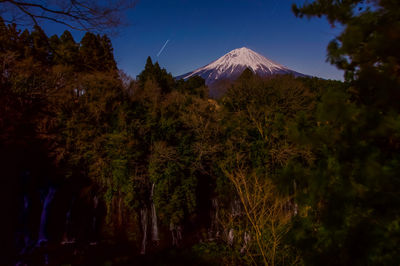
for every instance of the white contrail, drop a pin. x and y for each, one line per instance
(162, 49)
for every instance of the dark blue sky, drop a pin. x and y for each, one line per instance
(201, 31)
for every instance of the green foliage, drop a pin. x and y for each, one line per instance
(164, 80)
(330, 148)
(174, 165)
(366, 49)
(349, 195)
(194, 85)
(214, 253)
(96, 53)
(258, 144)
(66, 51)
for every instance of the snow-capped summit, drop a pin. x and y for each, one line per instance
(231, 66)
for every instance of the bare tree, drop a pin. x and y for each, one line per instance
(268, 216)
(85, 15)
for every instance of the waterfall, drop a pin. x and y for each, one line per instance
(94, 220)
(23, 237)
(176, 232)
(296, 207)
(149, 216)
(67, 238)
(179, 234)
(246, 240)
(154, 226)
(214, 228)
(26, 203)
(172, 229)
(25, 217)
(42, 238)
(236, 208)
(231, 236)
(24, 242)
(144, 221)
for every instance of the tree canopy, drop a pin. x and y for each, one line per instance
(278, 171)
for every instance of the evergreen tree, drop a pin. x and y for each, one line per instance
(366, 48)
(349, 196)
(40, 45)
(146, 73)
(107, 54)
(194, 85)
(25, 45)
(90, 51)
(153, 71)
(67, 51)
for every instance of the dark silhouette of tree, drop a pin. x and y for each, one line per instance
(97, 53)
(86, 15)
(66, 50)
(350, 196)
(154, 72)
(367, 48)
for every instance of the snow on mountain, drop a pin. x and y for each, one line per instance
(231, 66)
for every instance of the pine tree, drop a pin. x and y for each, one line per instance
(90, 51)
(350, 195)
(153, 71)
(67, 52)
(146, 73)
(40, 45)
(107, 55)
(366, 49)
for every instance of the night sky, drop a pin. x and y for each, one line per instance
(199, 32)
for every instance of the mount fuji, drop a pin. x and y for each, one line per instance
(231, 66)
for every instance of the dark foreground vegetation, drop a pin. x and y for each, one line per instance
(100, 169)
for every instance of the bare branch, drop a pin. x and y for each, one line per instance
(265, 210)
(85, 15)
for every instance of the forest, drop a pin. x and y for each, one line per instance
(99, 168)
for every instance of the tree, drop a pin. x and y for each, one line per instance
(65, 49)
(154, 72)
(194, 85)
(349, 195)
(84, 15)
(257, 148)
(96, 53)
(268, 213)
(367, 48)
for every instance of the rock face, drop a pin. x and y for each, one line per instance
(231, 66)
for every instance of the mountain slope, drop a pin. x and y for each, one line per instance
(231, 66)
